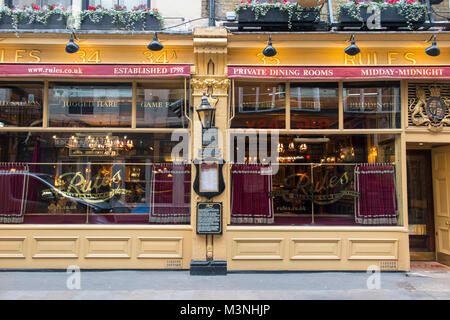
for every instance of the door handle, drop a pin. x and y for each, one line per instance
(447, 223)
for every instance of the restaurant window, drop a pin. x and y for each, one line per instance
(161, 105)
(314, 105)
(41, 3)
(90, 105)
(371, 105)
(259, 105)
(349, 180)
(21, 104)
(93, 178)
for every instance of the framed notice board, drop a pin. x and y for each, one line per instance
(209, 218)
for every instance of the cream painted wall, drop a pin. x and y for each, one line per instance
(191, 9)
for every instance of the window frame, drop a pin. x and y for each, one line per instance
(9, 3)
(132, 129)
(41, 86)
(400, 142)
(341, 83)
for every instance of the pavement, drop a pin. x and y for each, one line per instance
(180, 285)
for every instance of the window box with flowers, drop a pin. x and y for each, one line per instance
(138, 18)
(284, 12)
(34, 17)
(394, 13)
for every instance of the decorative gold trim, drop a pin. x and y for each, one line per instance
(418, 109)
(205, 84)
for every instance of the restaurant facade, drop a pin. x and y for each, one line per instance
(322, 161)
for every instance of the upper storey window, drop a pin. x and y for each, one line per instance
(40, 3)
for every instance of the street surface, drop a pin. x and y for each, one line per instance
(179, 285)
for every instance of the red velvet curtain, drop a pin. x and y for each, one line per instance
(250, 200)
(377, 204)
(170, 194)
(13, 191)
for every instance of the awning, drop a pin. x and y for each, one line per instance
(94, 71)
(339, 73)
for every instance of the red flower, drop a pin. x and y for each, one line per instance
(92, 8)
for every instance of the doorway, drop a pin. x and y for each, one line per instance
(441, 190)
(420, 205)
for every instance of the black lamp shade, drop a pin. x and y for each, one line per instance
(269, 51)
(433, 50)
(155, 45)
(72, 47)
(352, 49)
(206, 113)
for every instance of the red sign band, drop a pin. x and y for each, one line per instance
(333, 73)
(92, 71)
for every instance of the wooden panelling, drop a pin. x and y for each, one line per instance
(108, 247)
(95, 247)
(311, 249)
(55, 247)
(257, 249)
(160, 247)
(373, 249)
(12, 247)
(444, 240)
(441, 195)
(440, 161)
(317, 248)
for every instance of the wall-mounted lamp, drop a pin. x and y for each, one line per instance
(269, 51)
(433, 50)
(352, 49)
(71, 46)
(209, 180)
(155, 45)
(206, 113)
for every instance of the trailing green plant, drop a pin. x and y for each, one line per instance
(262, 8)
(120, 16)
(411, 10)
(30, 14)
(95, 14)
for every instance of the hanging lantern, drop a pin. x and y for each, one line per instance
(303, 147)
(374, 151)
(291, 146)
(280, 147)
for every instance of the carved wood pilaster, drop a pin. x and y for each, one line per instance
(210, 50)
